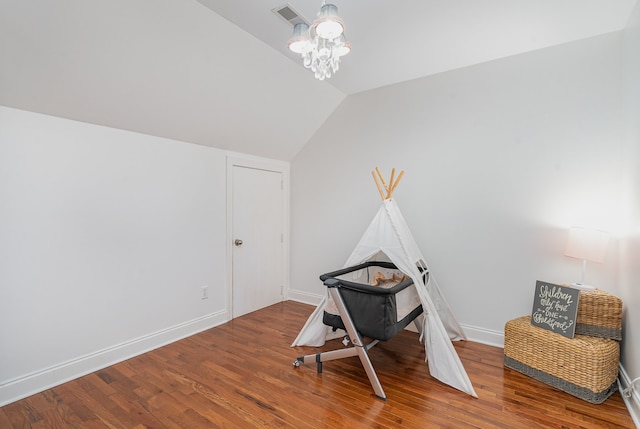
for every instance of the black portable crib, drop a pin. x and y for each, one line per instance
(366, 311)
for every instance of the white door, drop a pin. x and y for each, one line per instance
(257, 239)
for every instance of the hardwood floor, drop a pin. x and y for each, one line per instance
(240, 375)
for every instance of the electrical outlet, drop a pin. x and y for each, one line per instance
(205, 292)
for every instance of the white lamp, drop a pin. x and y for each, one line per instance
(588, 245)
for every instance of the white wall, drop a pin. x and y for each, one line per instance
(500, 159)
(106, 238)
(630, 245)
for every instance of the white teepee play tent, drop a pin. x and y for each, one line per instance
(388, 239)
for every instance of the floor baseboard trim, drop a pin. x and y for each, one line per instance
(304, 297)
(486, 336)
(29, 384)
(632, 402)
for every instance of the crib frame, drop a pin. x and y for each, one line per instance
(360, 348)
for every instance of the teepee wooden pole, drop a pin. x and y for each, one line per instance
(390, 187)
(384, 183)
(393, 187)
(375, 178)
(378, 177)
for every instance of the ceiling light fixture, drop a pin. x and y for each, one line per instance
(323, 44)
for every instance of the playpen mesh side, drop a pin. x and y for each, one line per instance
(373, 315)
(380, 311)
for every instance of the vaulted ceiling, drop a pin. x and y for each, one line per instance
(217, 72)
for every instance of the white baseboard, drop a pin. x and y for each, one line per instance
(29, 384)
(304, 297)
(484, 336)
(633, 402)
(475, 334)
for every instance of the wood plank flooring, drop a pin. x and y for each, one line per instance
(240, 375)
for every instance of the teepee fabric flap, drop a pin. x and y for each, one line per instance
(314, 332)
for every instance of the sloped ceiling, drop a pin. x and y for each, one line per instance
(217, 73)
(396, 41)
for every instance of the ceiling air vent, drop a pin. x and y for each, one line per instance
(289, 14)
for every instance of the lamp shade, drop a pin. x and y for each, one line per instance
(343, 47)
(329, 25)
(587, 244)
(299, 41)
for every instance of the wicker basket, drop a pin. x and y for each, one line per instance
(583, 366)
(599, 315)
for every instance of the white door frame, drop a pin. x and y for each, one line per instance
(259, 164)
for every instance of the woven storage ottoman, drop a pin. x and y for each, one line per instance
(599, 314)
(583, 366)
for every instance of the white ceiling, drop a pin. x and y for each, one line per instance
(395, 41)
(181, 69)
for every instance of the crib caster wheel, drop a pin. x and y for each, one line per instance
(296, 363)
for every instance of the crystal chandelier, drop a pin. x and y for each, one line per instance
(322, 44)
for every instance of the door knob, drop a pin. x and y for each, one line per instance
(238, 242)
